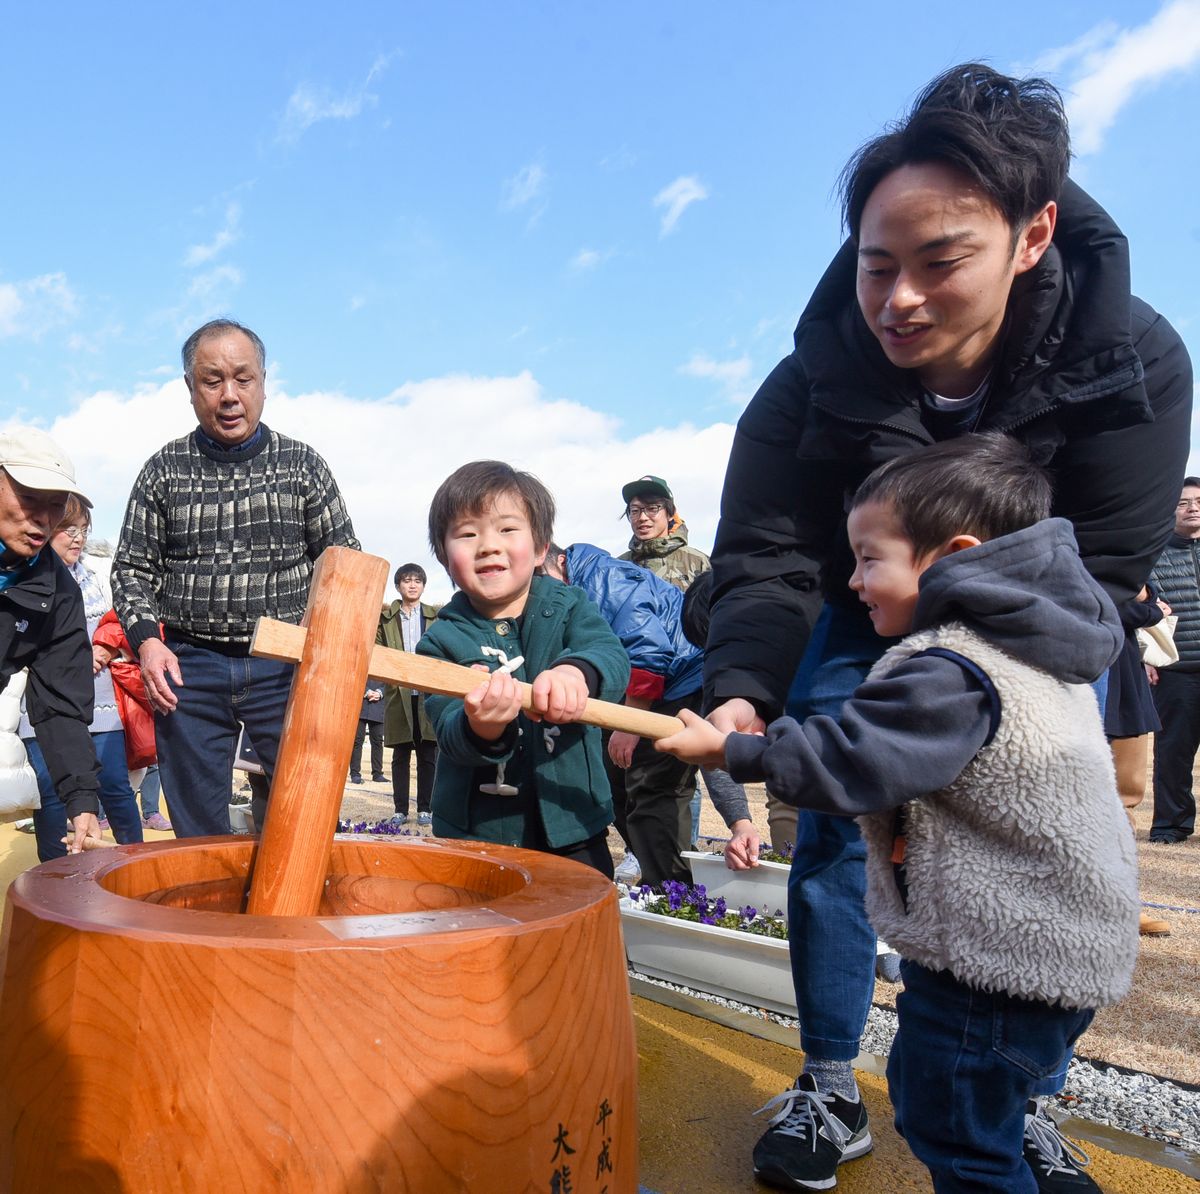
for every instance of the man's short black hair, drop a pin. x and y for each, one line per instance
(472, 488)
(1009, 136)
(1193, 482)
(982, 485)
(409, 570)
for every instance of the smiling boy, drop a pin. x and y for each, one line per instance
(999, 862)
(535, 778)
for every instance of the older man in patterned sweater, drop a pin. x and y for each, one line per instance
(223, 527)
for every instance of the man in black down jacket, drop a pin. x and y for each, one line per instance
(42, 626)
(979, 289)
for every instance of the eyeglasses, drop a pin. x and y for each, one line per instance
(79, 533)
(654, 509)
(1189, 504)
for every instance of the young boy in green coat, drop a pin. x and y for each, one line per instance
(532, 779)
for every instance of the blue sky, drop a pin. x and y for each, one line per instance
(574, 236)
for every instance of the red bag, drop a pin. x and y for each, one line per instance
(136, 714)
(133, 705)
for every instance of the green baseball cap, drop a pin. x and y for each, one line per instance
(646, 485)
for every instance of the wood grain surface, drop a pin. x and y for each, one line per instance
(318, 733)
(484, 1044)
(285, 642)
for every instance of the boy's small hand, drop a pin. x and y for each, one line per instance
(700, 743)
(491, 706)
(560, 694)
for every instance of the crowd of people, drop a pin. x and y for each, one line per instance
(947, 514)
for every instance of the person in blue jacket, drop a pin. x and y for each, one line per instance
(652, 792)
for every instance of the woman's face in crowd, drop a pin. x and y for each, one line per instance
(68, 542)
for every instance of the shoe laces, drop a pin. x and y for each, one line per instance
(1056, 1154)
(802, 1113)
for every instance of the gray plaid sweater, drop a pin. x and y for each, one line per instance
(214, 539)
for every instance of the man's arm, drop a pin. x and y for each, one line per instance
(326, 519)
(779, 515)
(60, 700)
(1119, 486)
(138, 562)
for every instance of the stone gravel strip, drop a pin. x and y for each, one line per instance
(1130, 1102)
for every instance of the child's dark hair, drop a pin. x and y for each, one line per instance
(410, 570)
(1009, 136)
(473, 487)
(982, 485)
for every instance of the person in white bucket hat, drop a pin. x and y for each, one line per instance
(42, 626)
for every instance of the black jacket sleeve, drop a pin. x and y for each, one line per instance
(779, 516)
(1119, 485)
(60, 699)
(898, 737)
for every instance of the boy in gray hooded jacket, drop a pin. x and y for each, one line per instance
(1000, 864)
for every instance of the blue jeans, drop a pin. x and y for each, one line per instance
(962, 1069)
(116, 797)
(150, 791)
(832, 945)
(197, 740)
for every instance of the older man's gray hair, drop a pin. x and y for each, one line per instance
(219, 327)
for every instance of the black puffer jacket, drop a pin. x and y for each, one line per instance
(1094, 381)
(1176, 576)
(42, 627)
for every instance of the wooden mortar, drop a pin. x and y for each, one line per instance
(449, 1016)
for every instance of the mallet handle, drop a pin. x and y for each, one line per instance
(285, 642)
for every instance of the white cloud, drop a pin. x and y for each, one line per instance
(34, 306)
(677, 198)
(731, 376)
(1109, 65)
(583, 455)
(308, 104)
(214, 282)
(588, 259)
(526, 190)
(225, 236)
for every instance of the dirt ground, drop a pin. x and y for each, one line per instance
(1156, 1029)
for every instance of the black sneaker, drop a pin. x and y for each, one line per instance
(1056, 1161)
(355, 779)
(809, 1137)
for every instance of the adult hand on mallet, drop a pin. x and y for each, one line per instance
(158, 663)
(85, 827)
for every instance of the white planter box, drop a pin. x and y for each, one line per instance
(725, 962)
(241, 819)
(763, 886)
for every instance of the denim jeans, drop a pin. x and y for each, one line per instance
(150, 791)
(962, 1069)
(116, 797)
(832, 945)
(197, 740)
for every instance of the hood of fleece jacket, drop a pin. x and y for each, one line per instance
(1030, 595)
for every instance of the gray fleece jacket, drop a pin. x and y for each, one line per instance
(1019, 865)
